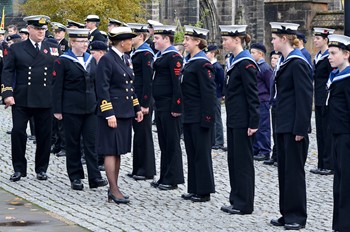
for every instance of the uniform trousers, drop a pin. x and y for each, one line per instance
(274, 136)
(241, 169)
(218, 131)
(168, 128)
(341, 187)
(200, 166)
(42, 122)
(76, 125)
(262, 140)
(291, 177)
(323, 136)
(143, 163)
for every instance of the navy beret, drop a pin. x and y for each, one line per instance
(301, 36)
(275, 53)
(98, 45)
(11, 37)
(211, 48)
(259, 46)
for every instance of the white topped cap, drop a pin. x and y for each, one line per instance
(233, 30)
(284, 28)
(340, 41)
(92, 18)
(164, 29)
(121, 33)
(152, 23)
(323, 31)
(138, 27)
(78, 32)
(196, 32)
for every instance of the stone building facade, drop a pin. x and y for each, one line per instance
(255, 13)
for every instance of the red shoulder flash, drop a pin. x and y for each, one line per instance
(149, 63)
(209, 74)
(6, 52)
(178, 64)
(250, 65)
(177, 68)
(54, 73)
(178, 101)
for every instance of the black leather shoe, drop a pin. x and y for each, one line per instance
(167, 186)
(137, 177)
(97, 182)
(231, 210)
(155, 184)
(41, 176)
(269, 162)
(226, 208)
(61, 153)
(130, 175)
(77, 185)
(200, 198)
(9, 132)
(55, 150)
(17, 176)
(316, 171)
(111, 198)
(101, 168)
(277, 222)
(187, 196)
(293, 226)
(260, 157)
(326, 172)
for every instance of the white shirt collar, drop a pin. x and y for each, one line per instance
(120, 54)
(33, 42)
(92, 30)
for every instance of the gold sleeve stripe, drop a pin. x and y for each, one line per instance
(135, 102)
(3, 88)
(105, 106)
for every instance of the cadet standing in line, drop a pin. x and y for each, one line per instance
(168, 103)
(117, 107)
(218, 132)
(143, 165)
(30, 95)
(242, 109)
(199, 97)
(74, 102)
(322, 70)
(339, 101)
(262, 140)
(293, 113)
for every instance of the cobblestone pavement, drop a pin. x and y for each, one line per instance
(154, 210)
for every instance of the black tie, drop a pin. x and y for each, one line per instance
(37, 47)
(125, 60)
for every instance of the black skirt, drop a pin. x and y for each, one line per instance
(113, 141)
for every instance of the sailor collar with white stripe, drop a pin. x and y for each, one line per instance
(243, 55)
(168, 50)
(335, 76)
(143, 48)
(295, 54)
(199, 56)
(71, 56)
(321, 56)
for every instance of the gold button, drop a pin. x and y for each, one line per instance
(44, 84)
(44, 79)
(29, 83)
(45, 68)
(124, 74)
(126, 90)
(131, 81)
(29, 73)
(132, 90)
(29, 78)
(126, 82)
(45, 73)
(132, 97)
(127, 98)
(29, 67)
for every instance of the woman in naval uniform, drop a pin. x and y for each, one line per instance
(242, 109)
(117, 107)
(199, 97)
